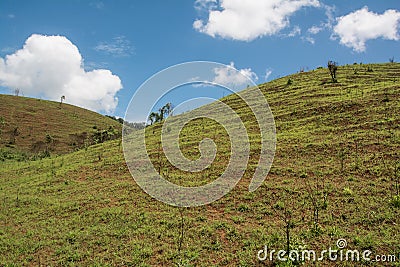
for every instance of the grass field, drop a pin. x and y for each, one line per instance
(30, 126)
(335, 176)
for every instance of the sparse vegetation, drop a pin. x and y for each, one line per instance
(30, 120)
(77, 210)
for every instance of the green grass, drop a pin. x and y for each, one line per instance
(338, 140)
(66, 127)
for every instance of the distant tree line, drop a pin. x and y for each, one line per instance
(134, 125)
(120, 120)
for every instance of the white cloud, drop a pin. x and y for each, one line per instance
(314, 29)
(323, 25)
(330, 16)
(356, 28)
(250, 19)
(195, 83)
(309, 39)
(268, 73)
(296, 31)
(229, 76)
(51, 66)
(118, 47)
(201, 5)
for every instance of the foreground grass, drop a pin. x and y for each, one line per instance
(337, 154)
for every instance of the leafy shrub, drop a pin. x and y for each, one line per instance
(395, 201)
(243, 208)
(12, 155)
(347, 191)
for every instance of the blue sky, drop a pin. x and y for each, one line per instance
(123, 43)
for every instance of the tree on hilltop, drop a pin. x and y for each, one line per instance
(332, 66)
(162, 113)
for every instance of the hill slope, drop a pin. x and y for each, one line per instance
(34, 125)
(335, 176)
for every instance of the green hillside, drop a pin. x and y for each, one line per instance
(33, 126)
(335, 175)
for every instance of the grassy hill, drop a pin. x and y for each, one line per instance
(335, 176)
(33, 126)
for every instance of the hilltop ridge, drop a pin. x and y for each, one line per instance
(33, 126)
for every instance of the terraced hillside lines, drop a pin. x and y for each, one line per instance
(30, 125)
(334, 176)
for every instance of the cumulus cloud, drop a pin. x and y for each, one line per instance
(250, 19)
(356, 28)
(51, 66)
(229, 76)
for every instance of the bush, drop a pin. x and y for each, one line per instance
(12, 155)
(347, 191)
(243, 208)
(395, 201)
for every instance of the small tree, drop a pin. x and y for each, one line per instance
(49, 143)
(317, 193)
(396, 178)
(16, 92)
(332, 66)
(61, 100)
(153, 117)
(287, 209)
(181, 235)
(166, 109)
(2, 123)
(14, 133)
(162, 113)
